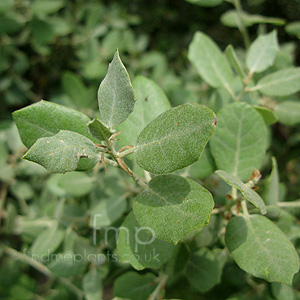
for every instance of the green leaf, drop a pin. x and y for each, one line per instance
(231, 19)
(281, 83)
(288, 112)
(74, 88)
(206, 3)
(115, 95)
(204, 270)
(47, 119)
(239, 143)
(271, 194)
(67, 264)
(209, 61)
(247, 192)
(63, 152)
(134, 286)
(151, 102)
(42, 31)
(99, 131)
(172, 207)
(234, 61)
(261, 249)
(262, 52)
(293, 28)
(76, 184)
(47, 242)
(282, 291)
(92, 285)
(175, 139)
(107, 211)
(178, 261)
(202, 168)
(137, 247)
(6, 6)
(267, 114)
(46, 7)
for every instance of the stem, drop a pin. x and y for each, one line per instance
(231, 92)
(147, 176)
(243, 29)
(16, 255)
(159, 288)
(125, 153)
(245, 209)
(289, 204)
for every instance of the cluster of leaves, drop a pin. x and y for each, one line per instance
(203, 232)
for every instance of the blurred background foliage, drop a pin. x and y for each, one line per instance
(59, 50)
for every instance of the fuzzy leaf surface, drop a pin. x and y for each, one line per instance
(175, 139)
(172, 207)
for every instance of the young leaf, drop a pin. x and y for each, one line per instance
(151, 102)
(261, 249)
(137, 247)
(92, 285)
(262, 52)
(271, 194)
(44, 119)
(288, 112)
(247, 192)
(135, 286)
(47, 242)
(204, 270)
(267, 114)
(62, 152)
(209, 61)
(239, 143)
(281, 83)
(234, 61)
(115, 95)
(99, 131)
(172, 207)
(175, 139)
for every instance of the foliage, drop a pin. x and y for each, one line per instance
(104, 217)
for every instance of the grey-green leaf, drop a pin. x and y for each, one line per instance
(209, 61)
(281, 83)
(92, 285)
(137, 247)
(239, 143)
(262, 52)
(247, 192)
(172, 207)
(99, 131)
(261, 249)
(107, 211)
(47, 119)
(63, 152)
(204, 270)
(288, 112)
(234, 61)
(115, 95)
(271, 194)
(267, 114)
(134, 286)
(151, 102)
(47, 242)
(175, 139)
